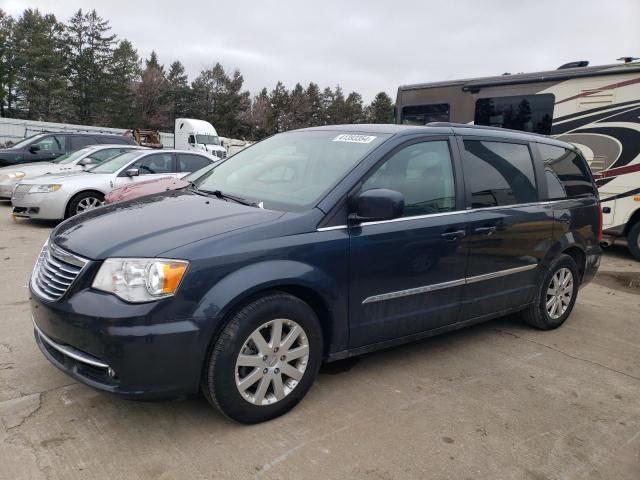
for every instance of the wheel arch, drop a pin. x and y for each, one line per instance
(75, 195)
(633, 219)
(303, 281)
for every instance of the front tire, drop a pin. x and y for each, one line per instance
(265, 360)
(556, 295)
(633, 240)
(84, 202)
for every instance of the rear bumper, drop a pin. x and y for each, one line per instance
(592, 263)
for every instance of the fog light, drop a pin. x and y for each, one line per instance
(111, 372)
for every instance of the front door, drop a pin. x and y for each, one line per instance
(154, 165)
(508, 230)
(45, 149)
(407, 274)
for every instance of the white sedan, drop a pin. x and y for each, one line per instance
(57, 197)
(78, 160)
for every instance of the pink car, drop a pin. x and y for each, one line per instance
(157, 185)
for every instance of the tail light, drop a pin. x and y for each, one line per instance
(600, 234)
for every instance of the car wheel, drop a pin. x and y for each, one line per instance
(265, 360)
(556, 295)
(633, 240)
(84, 202)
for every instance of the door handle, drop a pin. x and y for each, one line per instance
(486, 230)
(449, 236)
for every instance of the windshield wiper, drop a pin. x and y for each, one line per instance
(226, 196)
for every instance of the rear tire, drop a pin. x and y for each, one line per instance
(83, 202)
(555, 296)
(633, 240)
(265, 360)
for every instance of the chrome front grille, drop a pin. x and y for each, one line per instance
(20, 191)
(55, 271)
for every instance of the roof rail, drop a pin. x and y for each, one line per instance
(482, 127)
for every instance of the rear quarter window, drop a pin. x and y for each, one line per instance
(566, 173)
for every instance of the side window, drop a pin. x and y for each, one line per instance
(566, 173)
(192, 139)
(79, 141)
(51, 143)
(423, 114)
(498, 173)
(423, 173)
(154, 164)
(529, 113)
(190, 163)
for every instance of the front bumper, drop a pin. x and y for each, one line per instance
(133, 350)
(43, 206)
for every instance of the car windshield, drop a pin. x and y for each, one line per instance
(208, 139)
(72, 157)
(116, 163)
(290, 171)
(26, 141)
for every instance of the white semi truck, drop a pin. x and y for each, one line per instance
(198, 135)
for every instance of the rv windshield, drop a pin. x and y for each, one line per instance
(208, 139)
(290, 171)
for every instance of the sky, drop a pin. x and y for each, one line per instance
(369, 45)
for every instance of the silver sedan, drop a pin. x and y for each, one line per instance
(76, 161)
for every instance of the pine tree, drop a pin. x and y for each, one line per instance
(152, 95)
(381, 109)
(178, 90)
(89, 63)
(39, 65)
(299, 108)
(314, 102)
(336, 109)
(260, 115)
(280, 118)
(7, 64)
(354, 112)
(125, 77)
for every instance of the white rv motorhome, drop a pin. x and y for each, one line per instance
(198, 135)
(595, 108)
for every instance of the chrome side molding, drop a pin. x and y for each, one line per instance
(443, 285)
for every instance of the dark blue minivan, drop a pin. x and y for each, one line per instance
(315, 245)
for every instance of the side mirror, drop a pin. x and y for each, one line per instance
(377, 204)
(85, 162)
(132, 172)
(34, 148)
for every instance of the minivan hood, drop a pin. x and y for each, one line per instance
(22, 166)
(151, 225)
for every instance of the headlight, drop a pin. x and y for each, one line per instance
(140, 279)
(16, 175)
(54, 187)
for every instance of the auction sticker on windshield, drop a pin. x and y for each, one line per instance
(354, 138)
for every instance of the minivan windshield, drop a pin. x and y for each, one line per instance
(290, 171)
(116, 163)
(27, 141)
(208, 139)
(71, 157)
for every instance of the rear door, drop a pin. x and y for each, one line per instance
(508, 231)
(76, 142)
(190, 162)
(407, 274)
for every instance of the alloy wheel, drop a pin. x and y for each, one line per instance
(559, 293)
(272, 361)
(88, 203)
